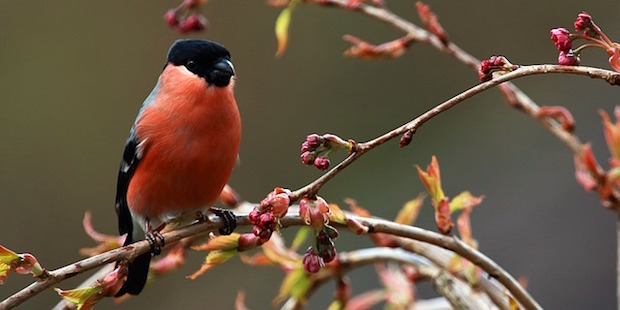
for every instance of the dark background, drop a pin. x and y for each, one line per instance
(75, 73)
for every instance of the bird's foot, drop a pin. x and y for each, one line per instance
(156, 242)
(228, 218)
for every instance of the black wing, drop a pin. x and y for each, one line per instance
(131, 158)
(138, 269)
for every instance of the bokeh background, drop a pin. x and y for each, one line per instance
(73, 75)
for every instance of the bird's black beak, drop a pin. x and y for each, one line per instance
(221, 73)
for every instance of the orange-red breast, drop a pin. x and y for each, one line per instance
(182, 147)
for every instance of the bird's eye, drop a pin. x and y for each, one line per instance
(191, 65)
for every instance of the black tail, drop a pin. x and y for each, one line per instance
(136, 276)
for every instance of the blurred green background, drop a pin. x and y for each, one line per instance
(74, 74)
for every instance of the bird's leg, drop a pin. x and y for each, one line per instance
(155, 238)
(228, 218)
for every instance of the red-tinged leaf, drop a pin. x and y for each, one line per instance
(258, 259)
(83, 298)
(7, 256)
(220, 243)
(240, 301)
(336, 214)
(431, 22)
(398, 287)
(431, 179)
(4, 272)
(282, 25)
(589, 161)
(583, 176)
(455, 264)
(359, 211)
(172, 261)
(471, 272)
(367, 300)
(442, 217)
(113, 281)
(295, 284)
(408, 214)
(464, 200)
(279, 254)
(560, 114)
(614, 56)
(463, 224)
(106, 242)
(213, 259)
(612, 132)
(387, 50)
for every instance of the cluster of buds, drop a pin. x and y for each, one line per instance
(588, 31)
(187, 17)
(316, 149)
(315, 212)
(494, 64)
(265, 216)
(323, 251)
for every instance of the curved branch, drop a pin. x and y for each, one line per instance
(455, 291)
(292, 219)
(611, 77)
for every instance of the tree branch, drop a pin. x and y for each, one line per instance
(611, 77)
(292, 219)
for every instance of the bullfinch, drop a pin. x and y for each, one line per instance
(181, 149)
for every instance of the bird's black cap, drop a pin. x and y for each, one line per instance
(206, 59)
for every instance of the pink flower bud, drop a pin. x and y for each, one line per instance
(321, 162)
(194, 22)
(254, 216)
(308, 157)
(314, 212)
(312, 262)
(314, 140)
(171, 18)
(583, 22)
(561, 39)
(305, 147)
(267, 221)
(276, 202)
(262, 233)
(568, 58)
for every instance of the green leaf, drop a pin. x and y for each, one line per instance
(83, 298)
(300, 237)
(282, 24)
(408, 214)
(464, 200)
(296, 284)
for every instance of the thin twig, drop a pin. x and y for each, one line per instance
(611, 77)
(513, 94)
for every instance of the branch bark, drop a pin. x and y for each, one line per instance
(375, 226)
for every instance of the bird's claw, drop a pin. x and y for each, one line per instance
(156, 242)
(228, 219)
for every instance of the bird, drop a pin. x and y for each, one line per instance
(180, 151)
